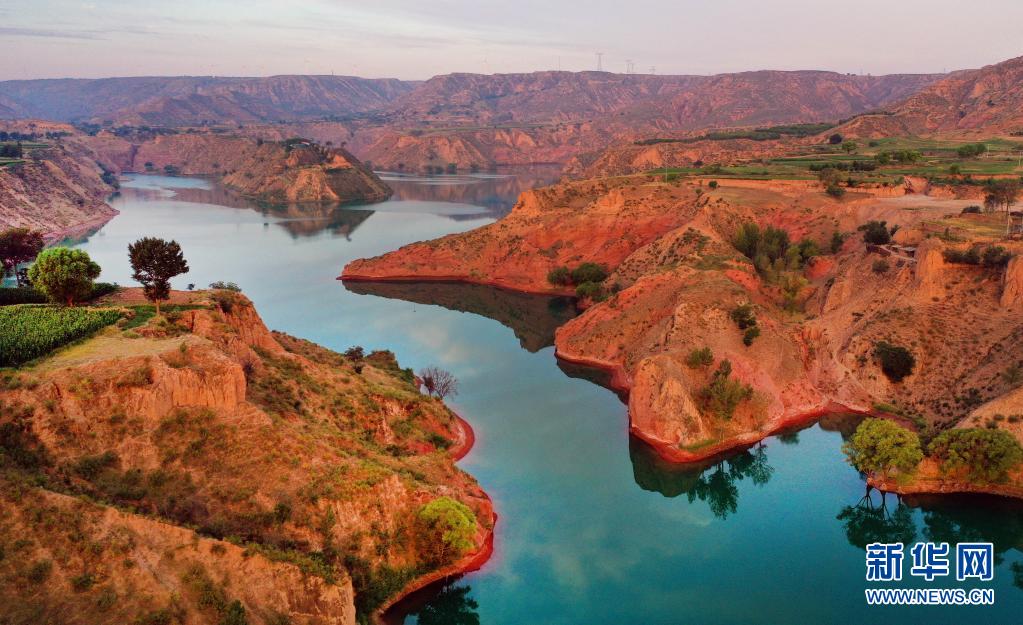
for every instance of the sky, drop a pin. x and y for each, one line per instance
(416, 39)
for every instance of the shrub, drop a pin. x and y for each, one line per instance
(971, 149)
(447, 529)
(880, 266)
(723, 394)
(589, 290)
(700, 358)
(713, 184)
(879, 445)
(835, 191)
(28, 332)
(896, 361)
(355, 353)
(987, 455)
(559, 276)
(744, 316)
(837, 241)
(220, 285)
(990, 256)
(835, 139)
(64, 275)
(750, 335)
(876, 232)
(589, 272)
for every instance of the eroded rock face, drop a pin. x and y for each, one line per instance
(928, 273)
(1012, 284)
(661, 405)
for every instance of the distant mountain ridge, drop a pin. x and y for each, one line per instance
(986, 100)
(686, 101)
(193, 100)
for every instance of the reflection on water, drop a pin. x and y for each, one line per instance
(496, 192)
(452, 605)
(877, 519)
(532, 318)
(712, 481)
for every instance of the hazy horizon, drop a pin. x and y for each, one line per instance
(411, 41)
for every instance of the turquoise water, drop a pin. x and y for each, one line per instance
(593, 528)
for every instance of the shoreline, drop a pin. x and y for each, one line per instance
(470, 562)
(619, 384)
(452, 280)
(928, 480)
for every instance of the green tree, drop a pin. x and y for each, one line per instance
(850, 146)
(879, 446)
(447, 529)
(986, 455)
(18, 245)
(700, 358)
(63, 275)
(559, 276)
(723, 394)
(589, 272)
(154, 262)
(876, 232)
(1003, 193)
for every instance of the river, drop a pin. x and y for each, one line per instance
(593, 528)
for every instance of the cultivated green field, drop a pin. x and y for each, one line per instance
(30, 331)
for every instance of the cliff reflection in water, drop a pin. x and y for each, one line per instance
(496, 192)
(713, 481)
(533, 318)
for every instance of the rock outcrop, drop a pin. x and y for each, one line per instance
(676, 279)
(1012, 284)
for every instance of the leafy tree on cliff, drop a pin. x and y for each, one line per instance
(987, 455)
(446, 529)
(879, 446)
(18, 245)
(63, 275)
(154, 262)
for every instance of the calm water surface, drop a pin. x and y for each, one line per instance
(594, 529)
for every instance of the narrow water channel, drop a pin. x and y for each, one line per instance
(593, 528)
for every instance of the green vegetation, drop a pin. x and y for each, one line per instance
(986, 455)
(29, 295)
(769, 133)
(446, 530)
(877, 232)
(64, 275)
(723, 394)
(771, 251)
(896, 361)
(991, 256)
(880, 446)
(970, 150)
(700, 358)
(28, 332)
(588, 279)
(154, 262)
(880, 266)
(746, 320)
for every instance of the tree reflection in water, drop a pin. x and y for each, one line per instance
(713, 482)
(873, 522)
(451, 606)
